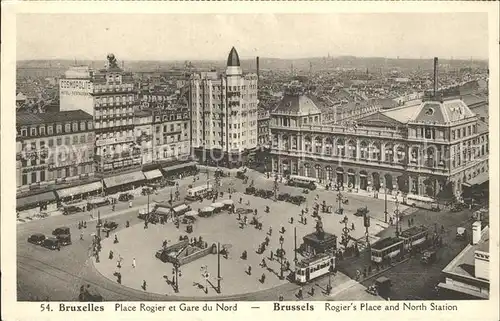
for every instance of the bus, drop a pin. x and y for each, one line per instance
(198, 191)
(310, 268)
(386, 248)
(302, 181)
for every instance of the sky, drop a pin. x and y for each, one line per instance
(211, 36)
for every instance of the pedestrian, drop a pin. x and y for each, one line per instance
(352, 227)
(133, 263)
(81, 235)
(84, 224)
(270, 231)
(409, 222)
(271, 255)
(312, 291)
(110, 255)
(305, 220)
(118, 264)
(291, 220)
(249, 270)
(263, 278)
(116, 239)
(129, 204)
(241, 199)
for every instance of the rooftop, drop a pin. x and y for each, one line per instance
(299, 105)
(413, 231)
(383, 243)
(23, 119)
(463, 264)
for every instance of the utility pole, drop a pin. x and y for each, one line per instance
(276, 188)
(295, 244)
(396, 212)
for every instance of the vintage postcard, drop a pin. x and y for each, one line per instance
(249, 160)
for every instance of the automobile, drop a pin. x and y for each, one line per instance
(241, 175)
(125, 197)
(250, 190)
(110, 225)
(283, 197)
(64, 239)
(61, 231)
(428, 257)
(89, 294)
(241, 210)
(381, 286)
(170, 183)
(362, 211)
(37, 238)
(188, 219)
(68, 210)
(148, 190)
(461, 233)
(51, 243)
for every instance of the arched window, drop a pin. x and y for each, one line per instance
(328, 146)
(352, 149)
(308, 144)
(389, 153)
(400, 154)
(364, 150)
(341, 148)
(318, 145)
(286, 142)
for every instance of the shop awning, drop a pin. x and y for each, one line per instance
(178, 166)
(217, 205)
(192, 213)
(478, 180)
(97, 200)
(421, 198)
(123, 179)
(155, 173)
(207, 209)
(228, 202)
(77, 190)
(163, 210)
(35, 199)
(180, 208)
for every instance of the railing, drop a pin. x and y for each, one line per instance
(344, 130)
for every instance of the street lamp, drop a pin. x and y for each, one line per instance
(396, 212)
(385, 202)
(177, 273)
(205, 275)
(276, 188)
(282, 240)
(339, 199)
(218, 269)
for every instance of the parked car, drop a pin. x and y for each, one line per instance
(250, 190)
(110, 225)
(125, 197)
(170, 183)
(89, 294)
(37, 238)
(381, 286)
(188, 219)
(428, 257)
(68, 210)
(51, 243)
(241, 175)
(63, 230)
(461, 233)
(362, 211)
(148, 190)
(64, 239)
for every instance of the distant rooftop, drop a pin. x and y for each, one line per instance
(23, 119)
(299, 105)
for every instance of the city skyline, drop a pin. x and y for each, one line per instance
(285, 36)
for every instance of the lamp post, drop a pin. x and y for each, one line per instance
(218, 269)
(295, 259)
(276, 188)
(385, 202)
(205, 275)
(396, 212)
(177, 273)
(339, 199)
(282, 240)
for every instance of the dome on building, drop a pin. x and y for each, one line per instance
(233, 60)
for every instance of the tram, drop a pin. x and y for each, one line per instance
(386, 248)
(313, 267)
(302, 181)
(412, 238)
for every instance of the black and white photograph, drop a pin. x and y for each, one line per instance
(260, 157)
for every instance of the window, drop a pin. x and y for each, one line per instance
(185, 125)
(82, 125)
(67, 140)
(83, 139)
(51, 142)
(67, 128)
(42, 130)
(33, 131)
(25, 179)
(75, 139)
(453, 135)
(42, 176)
(75, 127)
(33, 177)
(89, 125)
(58, 129)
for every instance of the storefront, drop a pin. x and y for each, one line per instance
(46, 202)
(123, 182)
(153, 176)
(183, 169)
(76, 193)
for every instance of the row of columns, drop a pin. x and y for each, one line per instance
(370, 154)
(416, 183)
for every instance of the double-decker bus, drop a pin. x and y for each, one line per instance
(313, 267)
(302, 181)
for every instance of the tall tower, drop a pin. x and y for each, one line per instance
(224, 113)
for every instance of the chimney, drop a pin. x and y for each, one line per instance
(476, 232)
(258, 67)
(435, 76)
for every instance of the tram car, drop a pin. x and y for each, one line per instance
(414, 237)
(386, 249)
(314, 267)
